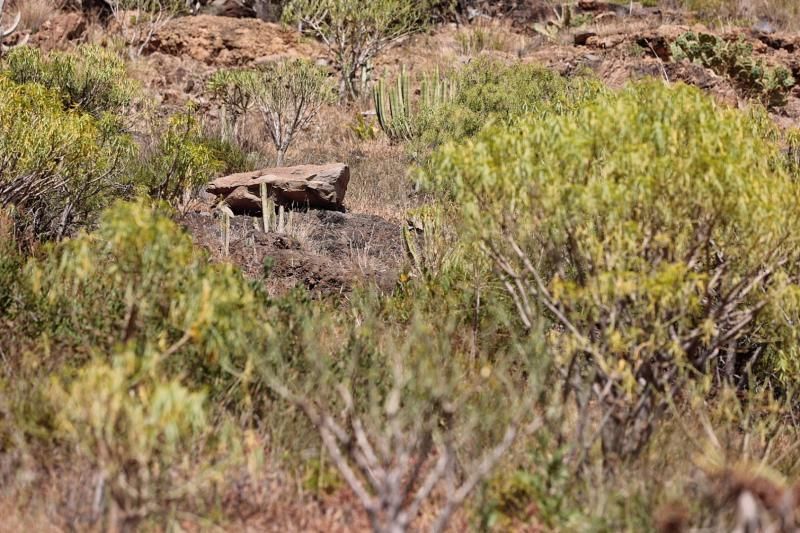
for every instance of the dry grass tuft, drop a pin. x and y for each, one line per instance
(35, 12)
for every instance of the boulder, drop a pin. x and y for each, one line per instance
(317, 186)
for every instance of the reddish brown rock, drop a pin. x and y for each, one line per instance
(59, 31)
(317, 186)
(224, 41)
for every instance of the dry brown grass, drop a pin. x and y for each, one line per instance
(379, 181)
(784, 13)
(35, 12)
(269, 499)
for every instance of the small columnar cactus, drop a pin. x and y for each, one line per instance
(393, 106)
(7, 31)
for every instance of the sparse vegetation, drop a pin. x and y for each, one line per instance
(139, 20)
(356, 31)
(735, 60)
(545, 305)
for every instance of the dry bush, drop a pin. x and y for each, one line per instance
(16, 519)
(488, 36)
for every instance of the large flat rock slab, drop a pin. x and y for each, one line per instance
(315, 186)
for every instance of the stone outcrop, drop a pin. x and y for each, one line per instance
(224, 41)
(316, 186)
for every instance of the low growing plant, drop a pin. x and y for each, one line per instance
(148, 438)
(735, 60)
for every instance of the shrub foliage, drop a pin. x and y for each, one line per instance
(58, 166)
(651, 228)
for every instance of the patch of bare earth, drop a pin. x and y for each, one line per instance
(228, 42)
(327, 252)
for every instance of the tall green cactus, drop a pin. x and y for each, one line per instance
(394, 109)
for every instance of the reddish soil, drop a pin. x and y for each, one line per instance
(228, 42)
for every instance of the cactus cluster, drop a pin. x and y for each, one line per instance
(7, 31)
(280, 222)
(397, 113)
(735, 59)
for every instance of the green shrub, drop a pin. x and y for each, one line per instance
(735, 60)
(58, 167)
(179, 163)
(490, 91)
(91, 78)
(139, 280)
(147, 437)
(397, 115)
(230, 157)
(10, 263)
(651, 228)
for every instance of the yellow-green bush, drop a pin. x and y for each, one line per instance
(148, 437)
(58, 166)
(91, 78)
(490, 91)
(651, 228)
(179, 163)
(139, 280)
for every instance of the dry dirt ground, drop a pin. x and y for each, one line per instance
(326, 252)
(330, 253)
